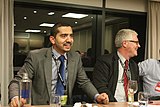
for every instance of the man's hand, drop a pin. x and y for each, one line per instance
(102, 98)
(14, 102)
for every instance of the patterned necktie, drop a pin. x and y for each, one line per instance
(125, 78)
(61, 75)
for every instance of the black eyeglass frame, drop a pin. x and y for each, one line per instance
(137, 42)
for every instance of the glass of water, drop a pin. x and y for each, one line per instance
(143, 99)
(55, 100)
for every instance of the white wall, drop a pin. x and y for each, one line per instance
(132, 5)
(96, 3)
(155, 0)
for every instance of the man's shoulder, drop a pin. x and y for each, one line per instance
(132, 62)
(150, 61)
(111, 56)
(73, 54)
(39, 51)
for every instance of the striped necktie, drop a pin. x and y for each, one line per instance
(125, 78)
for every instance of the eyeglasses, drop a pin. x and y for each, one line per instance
(137, 42)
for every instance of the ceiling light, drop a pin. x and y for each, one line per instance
(75, 22)
(51, 13)
(35, 31)
(45, 31)
(35, 11)
(47, 24)
(24, 17)
(75, 15)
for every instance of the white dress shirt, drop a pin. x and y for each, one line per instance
(120, 92)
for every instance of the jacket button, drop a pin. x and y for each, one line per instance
(48, 102)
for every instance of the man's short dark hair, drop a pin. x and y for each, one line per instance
(55, 30)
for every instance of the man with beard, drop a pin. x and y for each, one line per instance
(111, 74)
(42, 67)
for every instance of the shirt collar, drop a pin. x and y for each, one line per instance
(121, 57)
(56, 55)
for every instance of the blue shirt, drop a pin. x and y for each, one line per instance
(150, 70)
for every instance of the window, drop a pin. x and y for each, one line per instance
(29, 16)
(88, 39)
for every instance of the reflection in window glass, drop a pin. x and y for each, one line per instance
(27, 19)
(113, 24)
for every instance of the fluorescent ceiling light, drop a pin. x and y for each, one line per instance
(51, 13)
(75, 15)
(35, 31)
(47, 24)
(35, 11)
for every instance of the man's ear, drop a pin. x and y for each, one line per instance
(124, 44)
(52, 39)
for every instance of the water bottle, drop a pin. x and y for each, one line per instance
(25, 91)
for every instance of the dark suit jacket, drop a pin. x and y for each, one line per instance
(105, 75)
(38, 65)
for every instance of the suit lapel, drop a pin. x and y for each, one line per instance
(48, 69)
(116, 70)
(70, 69)
(116, 67)
(132, 70)
(71, 72)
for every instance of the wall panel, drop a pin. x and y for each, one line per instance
(132, 5)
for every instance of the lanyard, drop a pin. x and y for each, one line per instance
(127, 71)
(58, 71)
(123, 66)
